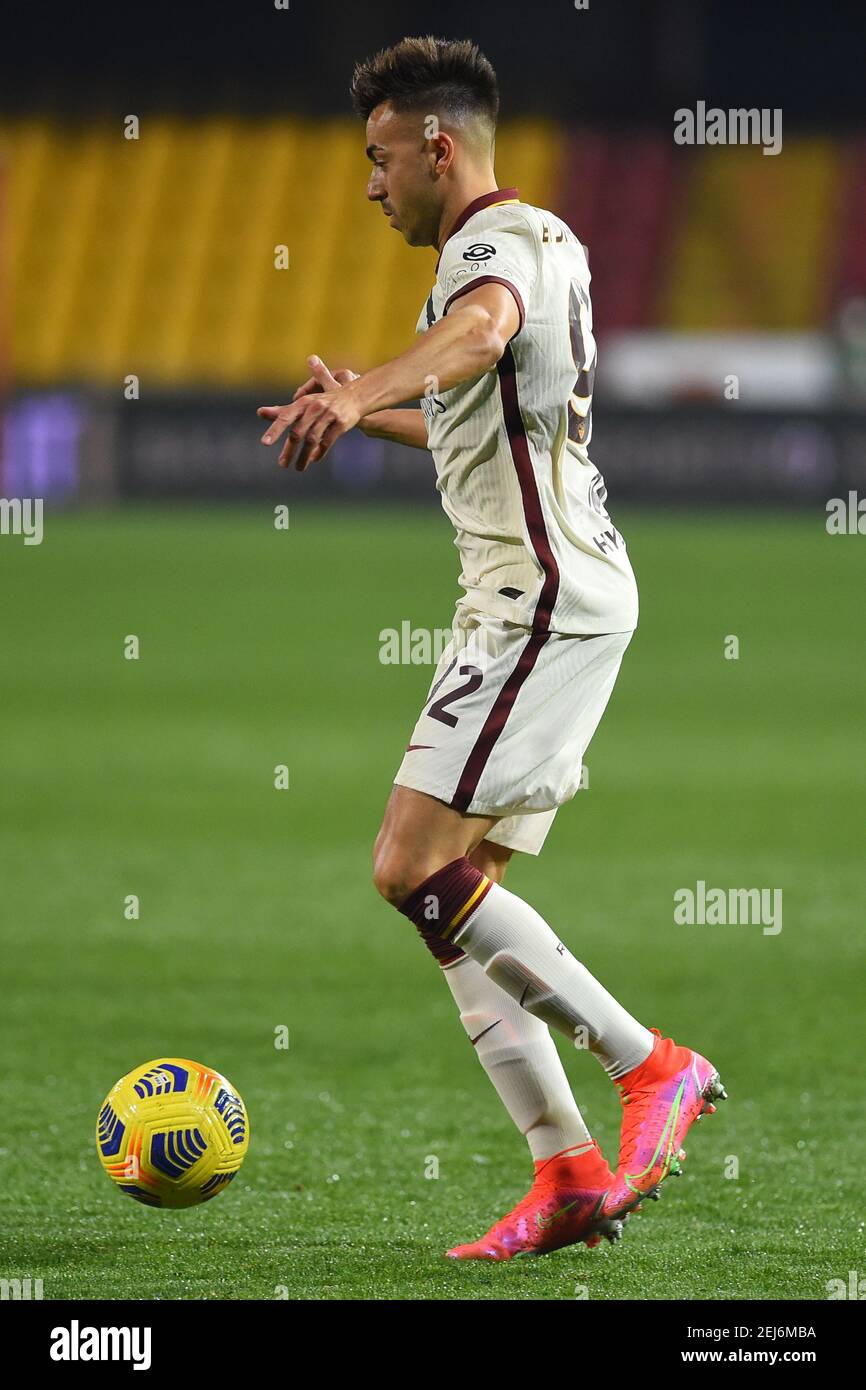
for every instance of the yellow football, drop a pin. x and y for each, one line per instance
(172, 1133)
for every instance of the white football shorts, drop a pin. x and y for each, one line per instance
(507, 721)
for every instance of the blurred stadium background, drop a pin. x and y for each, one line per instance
(154, 259)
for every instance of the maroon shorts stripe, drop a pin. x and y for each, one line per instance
(502, 705)
(495, 722)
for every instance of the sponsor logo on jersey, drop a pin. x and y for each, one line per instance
(479, 252)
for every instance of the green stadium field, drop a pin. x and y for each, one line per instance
(156, 777)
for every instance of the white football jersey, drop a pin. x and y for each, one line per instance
(536, 543)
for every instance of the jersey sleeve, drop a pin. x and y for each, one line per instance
(505, 255)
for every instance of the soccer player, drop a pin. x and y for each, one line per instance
(503, 363)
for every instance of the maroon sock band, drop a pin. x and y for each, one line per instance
(439, 899)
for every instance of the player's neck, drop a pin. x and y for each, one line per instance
(460, 196)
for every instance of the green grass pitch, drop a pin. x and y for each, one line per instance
(155, 777)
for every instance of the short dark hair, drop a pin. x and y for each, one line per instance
(448, 76)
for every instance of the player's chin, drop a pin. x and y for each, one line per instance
(409, 234)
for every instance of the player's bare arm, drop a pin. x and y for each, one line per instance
(466, 343)
(399, 426)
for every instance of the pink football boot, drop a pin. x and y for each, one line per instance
(564, 1206)
(660, 1098)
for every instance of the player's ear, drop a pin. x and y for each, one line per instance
(441, 147)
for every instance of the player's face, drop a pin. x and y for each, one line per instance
(401, 179)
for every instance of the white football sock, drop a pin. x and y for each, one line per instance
(520, 1057)
(520, 953)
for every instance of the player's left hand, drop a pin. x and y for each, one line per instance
(312, 424)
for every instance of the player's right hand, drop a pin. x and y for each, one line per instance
(323, 379)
